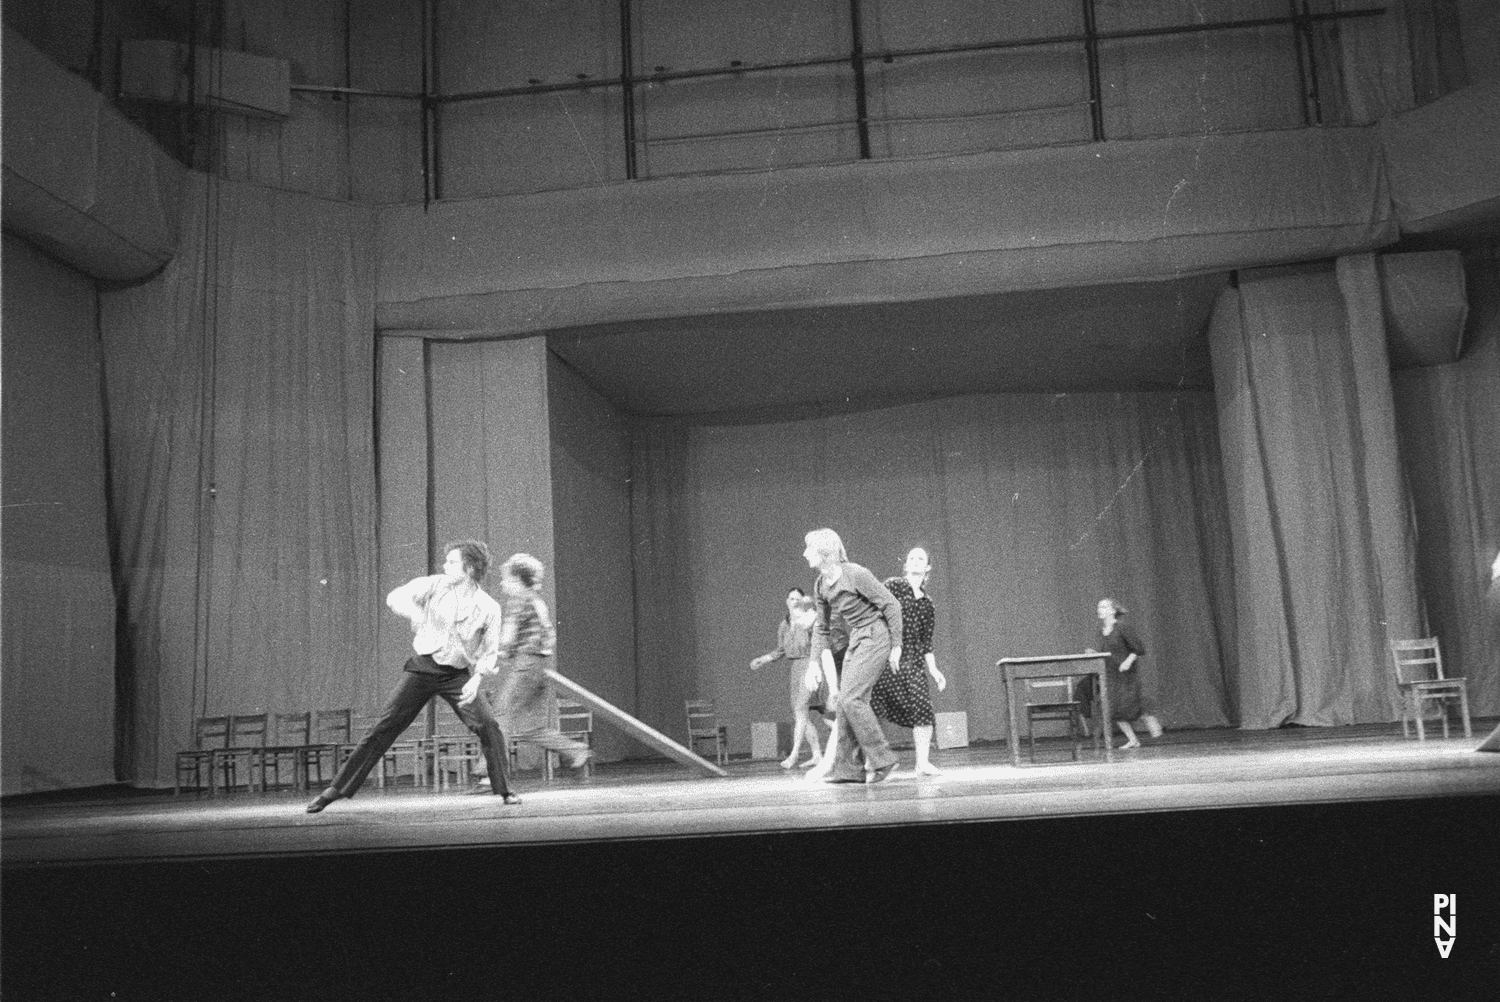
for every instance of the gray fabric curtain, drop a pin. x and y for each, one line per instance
(239, 385)
(1032, 507)
(1323, 552)
(1450, 444)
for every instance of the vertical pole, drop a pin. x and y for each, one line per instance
(857, 62)
(436, 104)
(426, 114)
(1298, 38)
(1305, 27)
(1091, 58)
(627, 89)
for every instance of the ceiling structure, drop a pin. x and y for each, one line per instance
(776, 365)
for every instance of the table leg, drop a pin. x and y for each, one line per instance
(1014, 739)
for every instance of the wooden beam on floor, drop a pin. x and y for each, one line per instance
(641, 732)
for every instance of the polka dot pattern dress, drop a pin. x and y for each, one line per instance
(901, 696)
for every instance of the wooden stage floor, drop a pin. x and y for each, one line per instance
(1185, 771)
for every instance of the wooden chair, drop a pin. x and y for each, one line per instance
(1419, 676)
(331, 742)
(247, 741)
(1053, 699)
(409, 746)
(703, 725)
(210, 734)
(291, 734)
(454, 750)
(574, 720)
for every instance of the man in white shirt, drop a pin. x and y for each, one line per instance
(456, 628)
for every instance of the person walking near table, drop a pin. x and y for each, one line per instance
(873, 618)
(456, 628)
(901, 695)
(527, 641)
(794, 645)
(1124, 651)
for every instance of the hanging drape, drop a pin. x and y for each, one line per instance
(239, 386)
(1323, 552)
(1033, 507)
(1450, 445)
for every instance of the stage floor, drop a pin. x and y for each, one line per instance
(649, 800)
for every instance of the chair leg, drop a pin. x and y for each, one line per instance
(1463, 705)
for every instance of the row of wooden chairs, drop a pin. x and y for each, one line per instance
(312, 745)
(313, 742)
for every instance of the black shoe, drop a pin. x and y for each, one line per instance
(510, 798)
(323, 799)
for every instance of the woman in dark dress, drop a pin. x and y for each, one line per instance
(1124, 649)
(901, 695)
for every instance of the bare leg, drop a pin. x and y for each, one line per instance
(825, 764)
(804, 720)
(1131, 741)
(1153, 725)
(798, 724)
(922, 738)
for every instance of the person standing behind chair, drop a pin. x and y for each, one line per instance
(794, 644)
(456, 628)
(901, 695)
(873, 618)
(1124, 650)
(527, 640)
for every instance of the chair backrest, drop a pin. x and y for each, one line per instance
(210, 733)
(293, 729)
(248, 730)
(574, 717)
(701, 716)
(333, 727)
(1417, 660)
(1046, 691)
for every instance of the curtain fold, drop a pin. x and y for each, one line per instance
(1322, 549)
(240, 405)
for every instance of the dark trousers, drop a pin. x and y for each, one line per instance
(410, 697)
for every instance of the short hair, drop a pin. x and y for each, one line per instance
(474, 555)
(797, 589)
(524, 568)
(828, 543)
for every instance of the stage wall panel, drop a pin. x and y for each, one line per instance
(59, 601)
(591, 511)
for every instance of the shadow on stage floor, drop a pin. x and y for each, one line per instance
(1162, 875)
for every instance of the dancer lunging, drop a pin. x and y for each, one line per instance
(900, 695)
(794, 644)
(528, 640)
(457, 635)
(873, 618)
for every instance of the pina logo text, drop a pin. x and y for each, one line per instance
(1444, 922)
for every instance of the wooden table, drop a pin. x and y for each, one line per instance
(1054, 666)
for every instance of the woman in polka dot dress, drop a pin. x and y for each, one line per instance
(901, 695)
